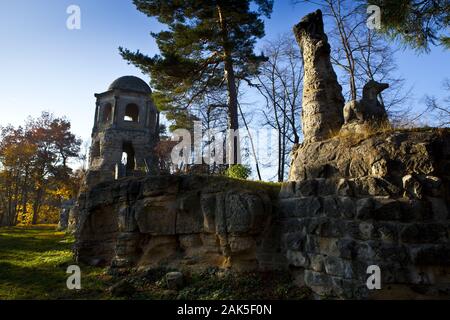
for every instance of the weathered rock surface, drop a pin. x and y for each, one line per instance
(382, 200)
(191, 221)
(322, 104)
(365, 196)
(174, 280)
(384, 157)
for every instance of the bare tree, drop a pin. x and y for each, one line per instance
(440, 111)
(280, 83)
(362, 54)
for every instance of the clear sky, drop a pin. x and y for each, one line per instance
(45, 66)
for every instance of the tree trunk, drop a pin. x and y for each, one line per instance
(252, 144)
(233, 120)
(36, 206)
(14, 211)
(25, 195)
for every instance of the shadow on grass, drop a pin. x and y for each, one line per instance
(33, 264)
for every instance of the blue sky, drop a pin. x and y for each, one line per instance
(45, 66)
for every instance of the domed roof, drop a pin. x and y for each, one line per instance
(130, 83)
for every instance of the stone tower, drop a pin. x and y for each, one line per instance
(125, 131)
(322, 114)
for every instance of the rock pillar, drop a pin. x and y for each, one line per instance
(322, 114)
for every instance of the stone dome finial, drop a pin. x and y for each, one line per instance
(131, 83)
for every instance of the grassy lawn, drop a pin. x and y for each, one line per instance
(33, 264)
(34, 260)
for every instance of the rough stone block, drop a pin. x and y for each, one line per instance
(387, 231)
(300, 207)
(189, 241)
(326, 187)
(295, 241)
(338, 267)
(241, 243)
(208, 206)
(416, 210)
(297, 259)
(160, 185)
(317, 262)
(174, 280)
(388, 252)
(431, 254)
(330, 207)
(346, 207)
(424, 233)
(245, 213)
(126, 220)
(287, 189)
(344, 188)
(387, 209)
(439, 209)
(366, 230)
(306, 188)
(155, 218)
(320, 283)
(189, 215)
(364, 208)
(413, 188)
(329, 246)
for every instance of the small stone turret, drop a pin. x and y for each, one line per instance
(125, 131)
(322, 114)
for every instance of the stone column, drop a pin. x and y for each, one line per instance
(322, 106)
(115, 111)
(146, 115)
(157, 124)
(97, 109)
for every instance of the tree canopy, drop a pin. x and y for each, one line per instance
(34, 172)
(418, 23)
(207, 47)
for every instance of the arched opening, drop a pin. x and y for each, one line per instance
(107, 113)
(128, 159)
(131, 113)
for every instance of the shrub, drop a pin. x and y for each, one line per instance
(238, 171)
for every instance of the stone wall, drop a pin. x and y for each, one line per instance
(350, 203)
(180, 221)
(382, 200)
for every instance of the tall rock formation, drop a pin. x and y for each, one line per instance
(368, 197)
(322, 114)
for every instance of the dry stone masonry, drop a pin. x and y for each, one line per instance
(380, 201)
(354, 199)
(363, 197)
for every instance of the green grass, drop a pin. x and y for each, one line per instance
(33, 264)
(34, 260)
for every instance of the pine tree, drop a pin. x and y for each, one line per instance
(418, 23)
(208, 47)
